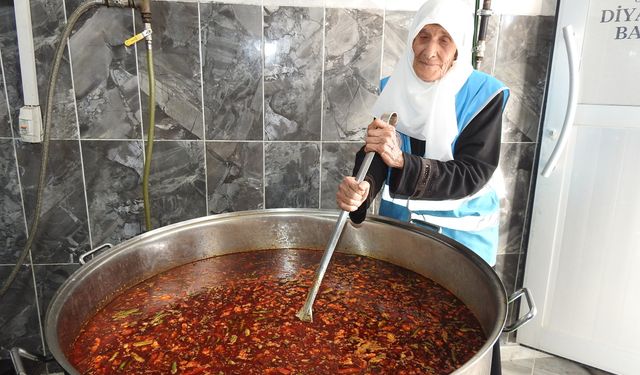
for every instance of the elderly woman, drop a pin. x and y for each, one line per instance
(437, 165)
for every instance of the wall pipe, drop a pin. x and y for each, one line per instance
(480, 47)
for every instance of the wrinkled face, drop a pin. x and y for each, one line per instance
(434, 52)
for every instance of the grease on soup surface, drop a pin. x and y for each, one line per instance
(235, 314)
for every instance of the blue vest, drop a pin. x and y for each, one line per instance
(475, 221)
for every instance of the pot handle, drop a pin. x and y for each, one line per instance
(532, 309)
(103, 246)
(17, 353)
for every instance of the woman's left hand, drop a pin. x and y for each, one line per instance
(383, 139)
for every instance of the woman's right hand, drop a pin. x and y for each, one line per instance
(351, 195)
(383, 139)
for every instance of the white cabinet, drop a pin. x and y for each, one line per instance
(583, 260)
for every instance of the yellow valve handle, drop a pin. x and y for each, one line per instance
(133, 40)
(136, 38)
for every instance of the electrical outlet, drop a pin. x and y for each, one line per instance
(30, 123)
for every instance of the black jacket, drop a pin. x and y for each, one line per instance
(475, 158)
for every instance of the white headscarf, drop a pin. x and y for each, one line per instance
(426, 110)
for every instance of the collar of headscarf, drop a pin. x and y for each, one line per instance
(426, 110)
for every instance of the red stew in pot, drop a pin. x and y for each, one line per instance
(235, 314)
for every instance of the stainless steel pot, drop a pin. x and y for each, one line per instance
(409, 246)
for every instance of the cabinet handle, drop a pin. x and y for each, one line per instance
(570, 42)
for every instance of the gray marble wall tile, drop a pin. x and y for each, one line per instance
(353, 44)
(507, 267)
(521, 62)
(19, 320)
(337, 162)
(526, 231)
(11, 65)
(491, 45)
(5, 119)
(12, 225)
(232, 71)
(49, 278)
(63, 230)
(47, 17)
(105, 76)
(516, 163)
(519, 305)
(292, 174)
(234, 176)
(176, 58)
(293, 73)
(396, 31)
(177, 183)
(113, 173)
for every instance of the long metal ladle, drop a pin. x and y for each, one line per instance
(306, 313)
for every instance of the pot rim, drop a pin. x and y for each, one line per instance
(56, 304)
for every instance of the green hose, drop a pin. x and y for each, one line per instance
(149, 148)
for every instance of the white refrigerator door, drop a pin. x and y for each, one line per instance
(583, 259)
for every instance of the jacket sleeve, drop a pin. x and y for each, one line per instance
(475, 158)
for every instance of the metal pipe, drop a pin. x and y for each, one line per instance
(144, 6)
(484, 15)
(475, 34)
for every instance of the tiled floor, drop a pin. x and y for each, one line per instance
(516, 360)
(520, 360)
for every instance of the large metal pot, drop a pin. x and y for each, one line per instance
(420, 250)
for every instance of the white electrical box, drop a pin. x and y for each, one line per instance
(30, 123)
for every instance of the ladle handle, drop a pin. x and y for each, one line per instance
(390, 118)
(306, 313)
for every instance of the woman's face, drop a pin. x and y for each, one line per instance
(434, 52)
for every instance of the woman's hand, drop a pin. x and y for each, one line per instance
(351, 195)
(383, 139)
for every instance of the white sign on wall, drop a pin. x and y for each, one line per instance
(610, 66)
